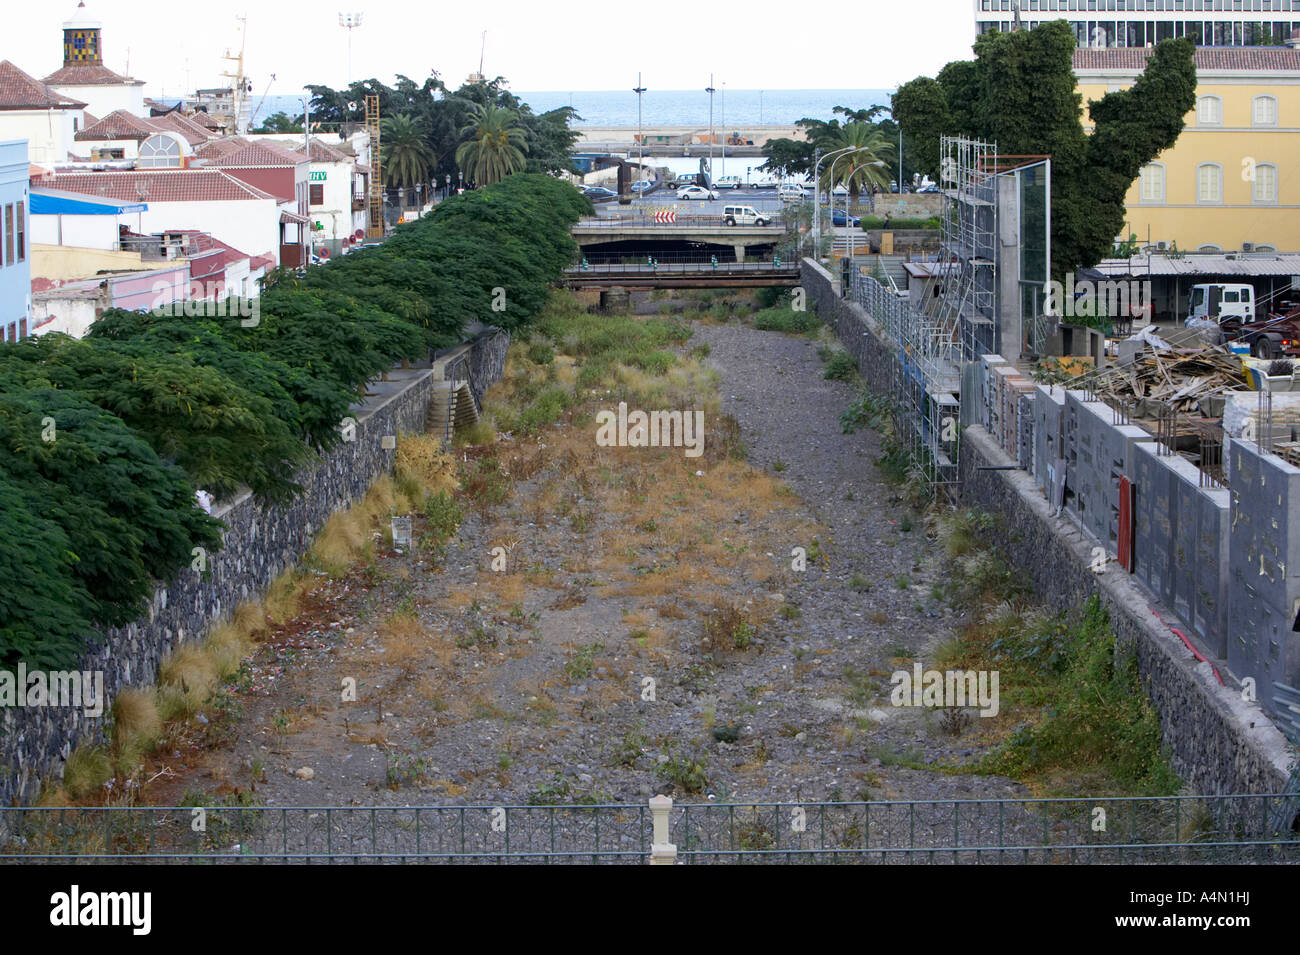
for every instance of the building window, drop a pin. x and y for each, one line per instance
(1264, 111)
(9, 234)
(160, 152)
(1209, 248)
(1264, 184)
(1209, 183)
(317, 194)
(20, 232)
(1151, 184)
(1209, 111)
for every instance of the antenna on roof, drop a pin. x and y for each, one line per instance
(481, 50)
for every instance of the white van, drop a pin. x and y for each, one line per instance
(1221, 303)
(791, 190)
(743, 215)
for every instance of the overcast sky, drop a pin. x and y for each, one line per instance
(755, 44)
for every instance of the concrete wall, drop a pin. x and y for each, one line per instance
(259, 543)
(1055, 492)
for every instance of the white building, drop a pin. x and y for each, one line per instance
(201, 200)
(1123, 23)
(85, 78)
(32, 111)
(337, 194)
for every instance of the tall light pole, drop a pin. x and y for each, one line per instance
(817, 219)
(349, 22)
(710, 91)
(760, 107)
(639, 140)
(724, 128)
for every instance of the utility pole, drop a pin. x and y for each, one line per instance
(724, 128)
(350, 21)
(710, 91)
(640, 142)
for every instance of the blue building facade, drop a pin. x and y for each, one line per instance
(15, 242)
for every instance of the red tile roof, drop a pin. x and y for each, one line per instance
(118, 124)
(1211, 58)
(121, 124)
(323, 152)
(88, 119)
(237, 152)
(191, 130)
(19, 90)
(261, 262)
(89, 75)
(204, 120)
(160, 185)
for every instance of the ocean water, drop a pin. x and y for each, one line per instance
(691, 107)
(672, 107)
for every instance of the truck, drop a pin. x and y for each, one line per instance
(1221, 303)
(1277, 336)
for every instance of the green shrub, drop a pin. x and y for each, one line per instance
(785, 320)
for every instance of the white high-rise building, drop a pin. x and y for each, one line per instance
(1123, 23)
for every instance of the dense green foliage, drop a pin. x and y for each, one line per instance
(860, 127)
(448, 118)
(104, 440)
(1020, 92)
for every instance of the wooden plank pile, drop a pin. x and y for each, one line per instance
(1181, 379)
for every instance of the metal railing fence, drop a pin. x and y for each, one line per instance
(1254, 829)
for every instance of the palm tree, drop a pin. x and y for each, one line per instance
(496, 147)
(867, 166)
(407, 156)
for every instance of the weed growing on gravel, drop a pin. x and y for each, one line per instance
(840, 366)
(688, 772)
(728, 627)
(579, 665)
(786, 320)
(1087, 713)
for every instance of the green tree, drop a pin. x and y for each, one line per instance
(868, 166)
(921, 106)
(281, 123)
(407, 157)
(1020, 92)
(495, 147)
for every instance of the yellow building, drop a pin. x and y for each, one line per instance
(1232, 181)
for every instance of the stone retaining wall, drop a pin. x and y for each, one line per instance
(258, 544)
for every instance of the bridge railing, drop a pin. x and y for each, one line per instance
(639, 220)
(781, 261)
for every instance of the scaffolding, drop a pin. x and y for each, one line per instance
(968, 172)
(375, 227)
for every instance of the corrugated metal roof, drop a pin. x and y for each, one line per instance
(1245, 264)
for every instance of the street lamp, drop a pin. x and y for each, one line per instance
(350, 21)
(639, 140)
(709, 89)
(724, 129)
(817, 219)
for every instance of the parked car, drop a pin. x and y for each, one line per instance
(744, 215)
(599, 192)
(839, 217)
(791, 190)
(685, 179)
(728, 182)
(696, 192)
(765, 181)
(641, 185)
(928, 187)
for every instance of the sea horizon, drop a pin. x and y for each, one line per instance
(663, 107)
